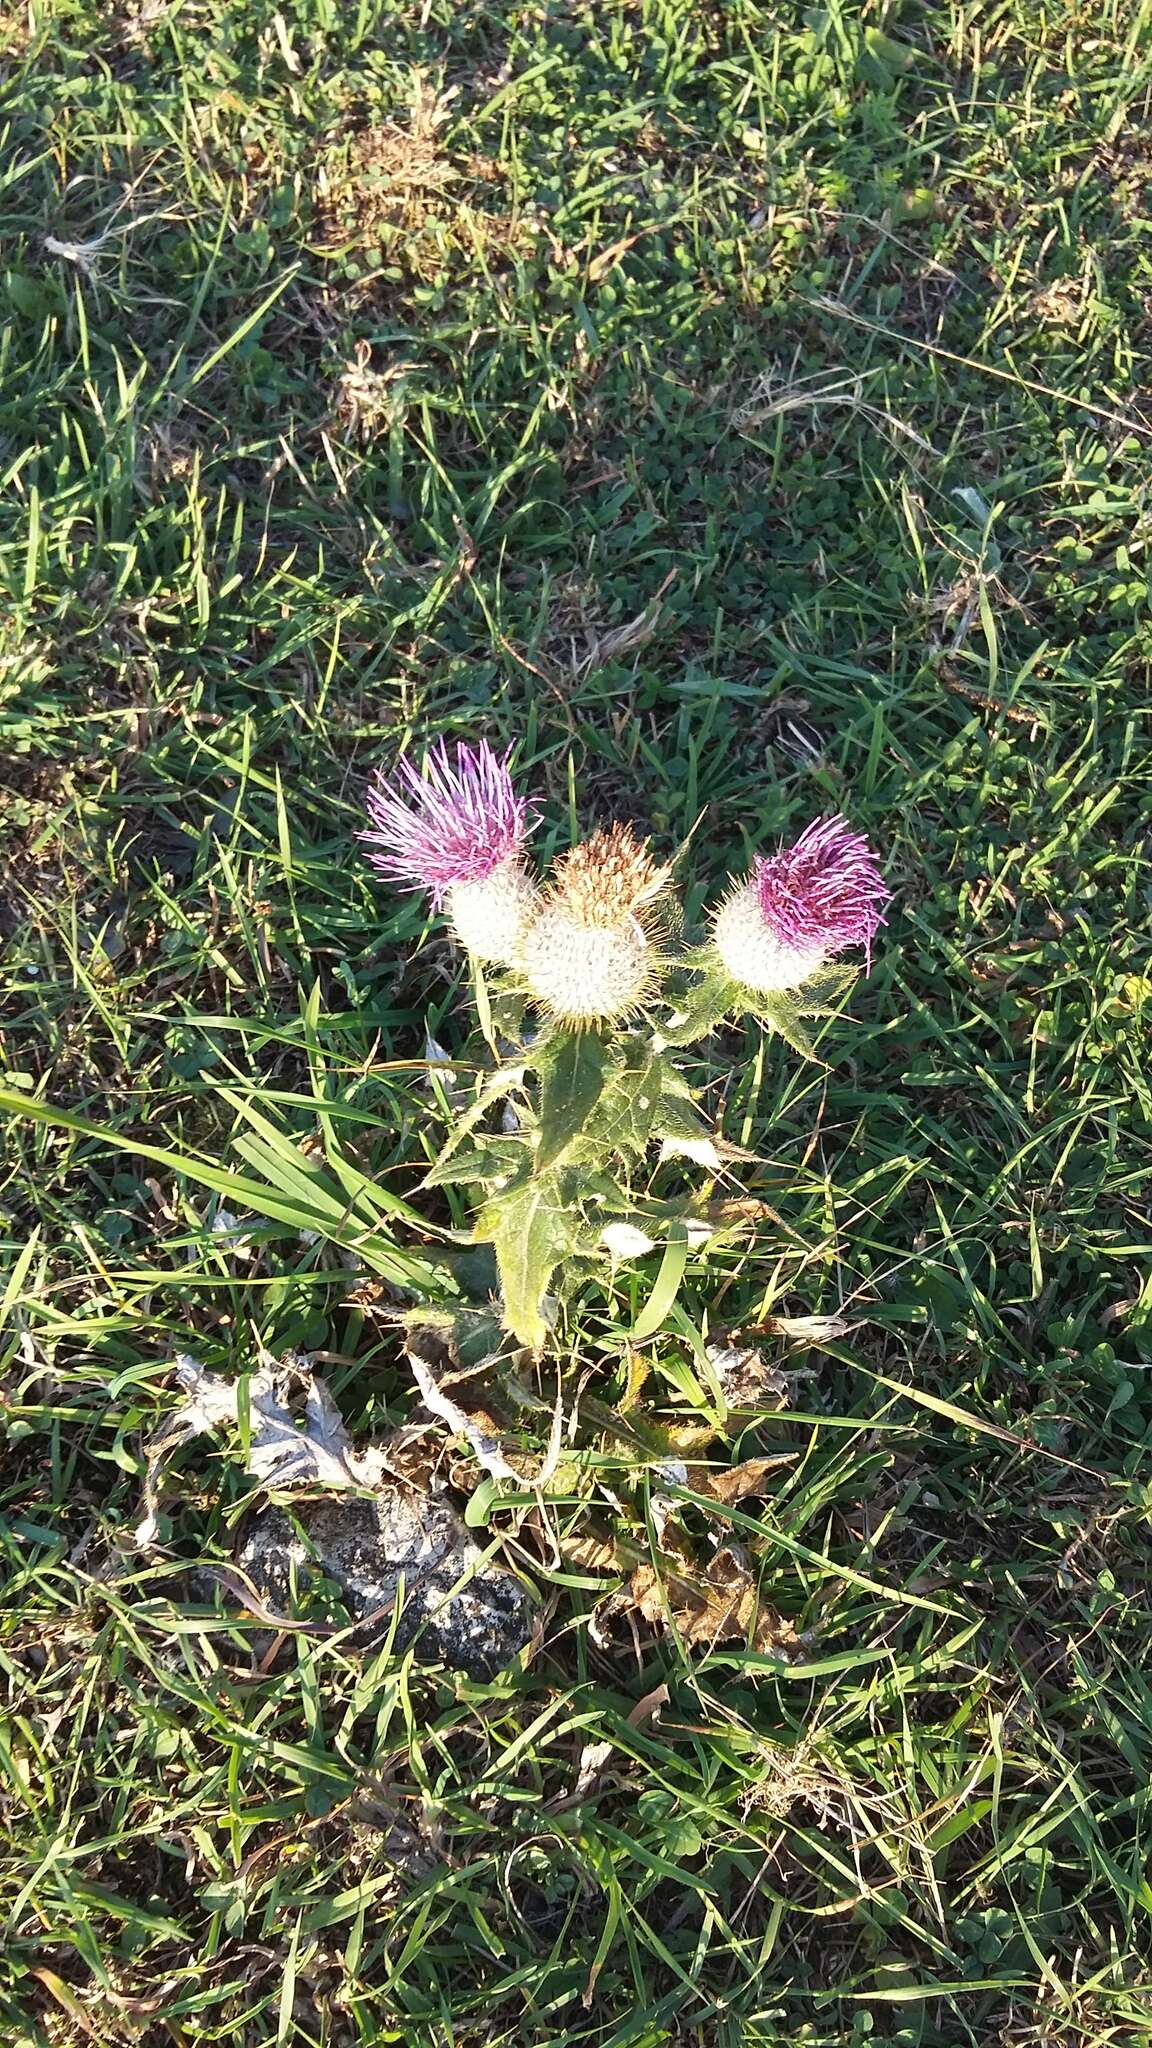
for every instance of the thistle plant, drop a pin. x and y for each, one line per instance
(584, 1005)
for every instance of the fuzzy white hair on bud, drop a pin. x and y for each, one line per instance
(752, 954)
(701, 1151)
(489, 917)
(625, 1241)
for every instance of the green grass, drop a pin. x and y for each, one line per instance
(368, 367)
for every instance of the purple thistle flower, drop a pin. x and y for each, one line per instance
(800, 907)
(448, 825)
(823, 894)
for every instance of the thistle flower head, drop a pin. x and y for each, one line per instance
(801, 907)
(452, 824)
(587, 956)
(607, 879)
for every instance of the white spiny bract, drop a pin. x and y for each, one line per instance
(490, 917)
(585, 974)
(750, 951)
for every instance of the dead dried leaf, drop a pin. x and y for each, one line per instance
(649, 1707)
(595, 1755)
(713, 1603)
(593, 1758)
(809, 1329)
(626, 639)
(685, 1439)
(739, 1480)
(708, 1603)
(67, 2000)
(608, 258)
(614, 642)
(485, 1447)
(748, 1379)
(317, 1451)
(739, 1211)
(592, 1552)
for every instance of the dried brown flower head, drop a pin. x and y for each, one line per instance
(608, 879)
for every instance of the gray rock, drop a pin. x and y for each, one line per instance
(366, 1545)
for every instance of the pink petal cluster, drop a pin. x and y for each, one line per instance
(452, 823)
(823, 894)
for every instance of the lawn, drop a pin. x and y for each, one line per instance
(743, 411)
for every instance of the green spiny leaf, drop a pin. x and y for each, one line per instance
(627, 1108)
(494, 1086)
(822, 993)
(480, 1163)
(532, 1225)
(782, 1014)
(712, 999)
(570, 1088)
(677, 1115)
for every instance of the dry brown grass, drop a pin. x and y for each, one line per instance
(397, 188)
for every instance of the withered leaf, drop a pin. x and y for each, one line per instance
(749, 1379)
(280, 1453)
(595, 1755)
(683, 1439)
(738, 1480)
(743, 1211)
(713, 1603)
(809, 1329)
(592, 1552)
